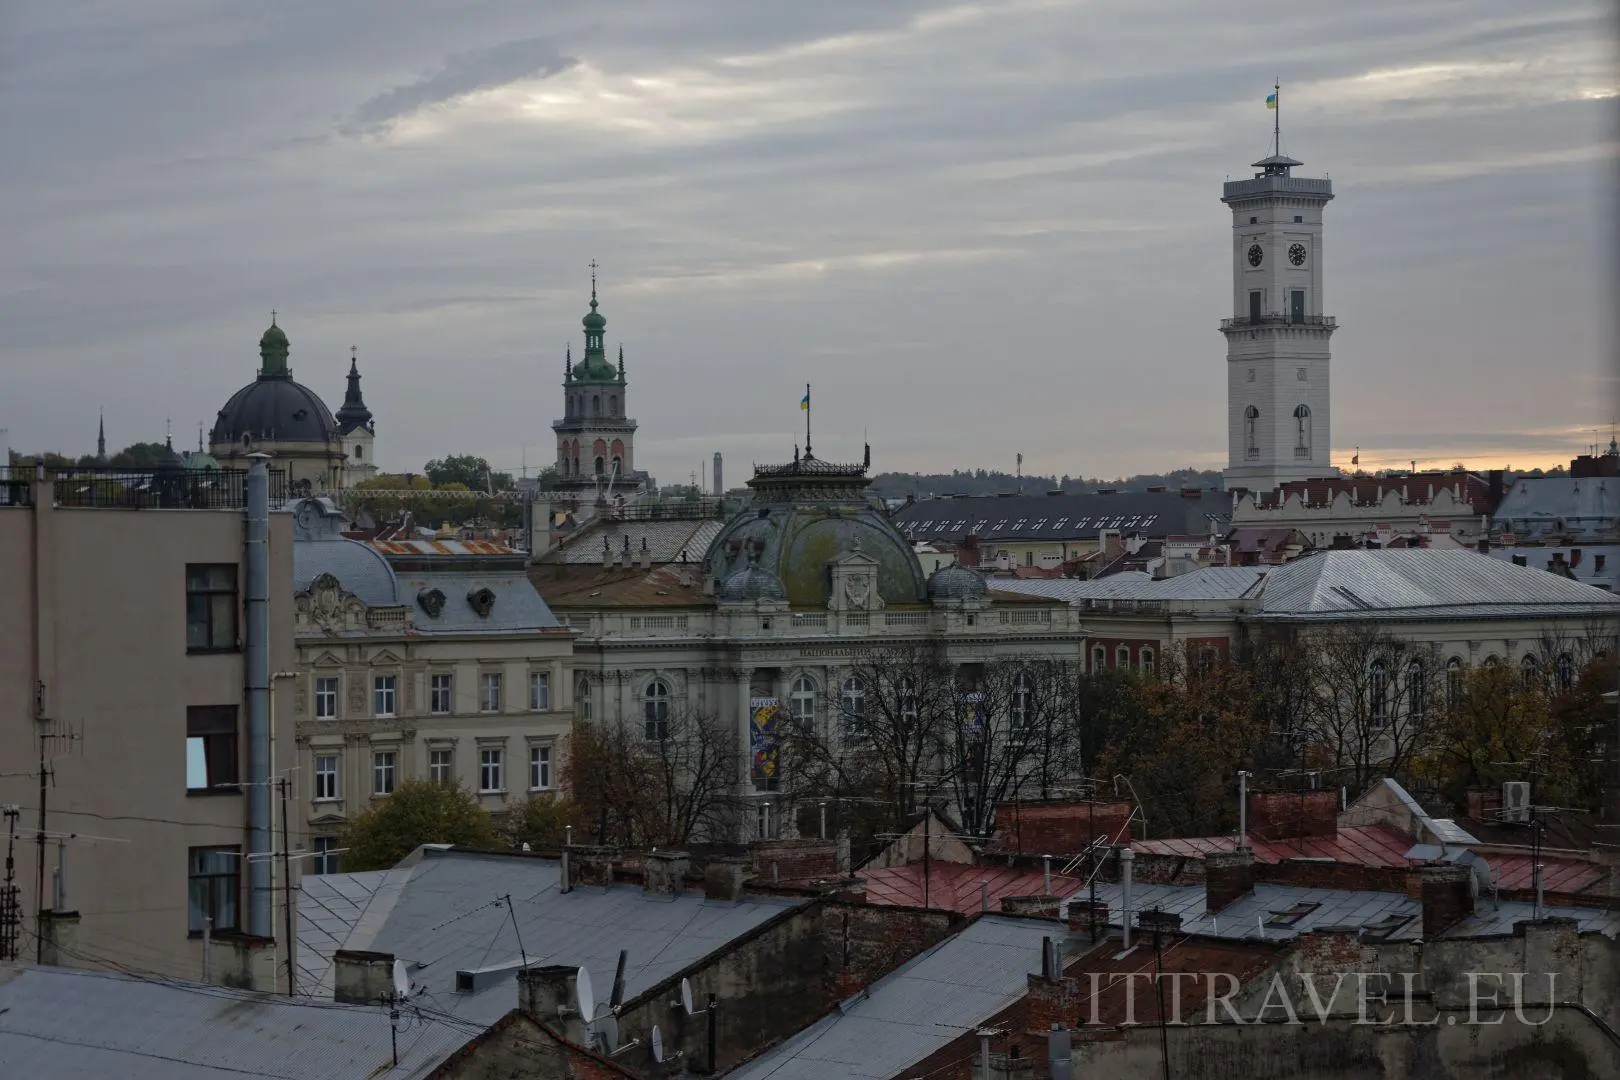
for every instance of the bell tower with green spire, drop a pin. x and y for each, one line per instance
(595, 437)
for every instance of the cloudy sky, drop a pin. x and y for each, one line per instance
(979, 228)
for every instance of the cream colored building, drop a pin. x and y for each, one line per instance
(127, 637)
(427, 659)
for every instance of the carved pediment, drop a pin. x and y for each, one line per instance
(326, 605)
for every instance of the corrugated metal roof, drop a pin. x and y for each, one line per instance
(1422, 582)
(328, 907)
(440, 547)
(1064, 517)
(916, 1010)
(444, 912)
(86, 1025)
(665, 540)
(1206, 583)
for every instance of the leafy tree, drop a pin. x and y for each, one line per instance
(418, 812)
(471, 472)
(144, 455)
(542, 820)
(50, 459)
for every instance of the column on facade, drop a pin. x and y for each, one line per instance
(745, 691)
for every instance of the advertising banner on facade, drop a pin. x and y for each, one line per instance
(762, 713)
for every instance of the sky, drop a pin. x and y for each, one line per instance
(978, 229)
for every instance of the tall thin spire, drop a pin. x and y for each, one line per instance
(199, 437)
(354, 413)
(168, 433)
(621, 361)
(101, 438)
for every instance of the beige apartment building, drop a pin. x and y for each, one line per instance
(428, 659)
(144, 614)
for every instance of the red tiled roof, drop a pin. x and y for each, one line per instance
(957, 886)
(1360, 845)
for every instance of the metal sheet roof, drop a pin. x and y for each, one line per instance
(1206, 583)
(665, 540)
(87, 1025)
(916, 1010)
(357, 567)
(1360, 845)
(446, 912)
(446, 546)
(518, 606)
(328, 907)
(1064, 517)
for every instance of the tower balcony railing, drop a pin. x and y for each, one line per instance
(1277, 318)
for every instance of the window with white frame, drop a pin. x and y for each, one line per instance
(327, 688)
(852, 703)
(1417, 690)
(1455, 674)
(1122, 657)
(489, 691)
(582, 698)
(1378, 693)
(325, 851)
(1023, 705)
(1145, 657)
(491, 764)
(384, 772)
(908, 701)
(384, 694)
(442, 765)
(1099, 658)
(539, 768)
(326, 776)
(441, 690)
(802, 703)
(655, 711)
(539, 691)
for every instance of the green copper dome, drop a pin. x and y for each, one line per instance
(595, 320)
(273, 349)
(595, 367)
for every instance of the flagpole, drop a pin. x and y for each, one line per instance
(806, 419)
(1276, 120)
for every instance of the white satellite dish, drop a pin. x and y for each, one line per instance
(657, 1045)
(583, 996)
(402, 980)
(686, 996)
(607, 1033)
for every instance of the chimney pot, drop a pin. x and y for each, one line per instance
(1446, 897)
(665, 873)
(723, 878)
(1227, 876)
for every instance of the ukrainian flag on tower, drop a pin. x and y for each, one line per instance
(804, 402)
(1271, 100)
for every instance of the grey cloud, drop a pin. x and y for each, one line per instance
(463, 74)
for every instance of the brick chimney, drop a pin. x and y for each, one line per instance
(1483, 801)
(549, 996)
(1167, 922)
(1227, 876)
(1079, 916)
(723, 878)
(1446, 897)
(591, 865)
(1286, 815)
(664, 873)
(360, 977)
(1038, 904)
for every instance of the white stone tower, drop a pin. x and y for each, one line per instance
(1278, 424)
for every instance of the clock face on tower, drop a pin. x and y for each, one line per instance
(1255, 255)
(1296, 254)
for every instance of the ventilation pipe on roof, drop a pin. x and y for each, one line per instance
(256, 661)
(1126, 856)
(1243, 809)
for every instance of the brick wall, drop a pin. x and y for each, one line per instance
(864, 942)
(1057, 827)
(1284, 815)
(794, 860)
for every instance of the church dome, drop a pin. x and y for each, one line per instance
(752, 583)
(956, 582)
(805, 518)
(274, 408)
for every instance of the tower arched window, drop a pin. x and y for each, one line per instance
(1302, 431)
(655, 711)
(613, 404)
(1251, 431)
(359, 452)
(596, 404)
(582, 698)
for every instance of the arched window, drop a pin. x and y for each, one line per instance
(802, 703)
(1378, 694)
(598, 466)
(359, 452)
(1122, 657)
(1530, 673)
(1417, 691)
(1099, 658)
(582, 698)
(1251, 431)
(1455, 674)
(1564, 671)
(1146, 655)
(596, 404)
(1023, 705)
(1493, 661)
(1302, 431)
(852, 702)
(655, 711)
(613, 404)
(618, 467)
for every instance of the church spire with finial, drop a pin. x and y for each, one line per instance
(621, 362)
(101, 439)
(354, 413)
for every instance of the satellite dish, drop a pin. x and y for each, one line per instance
(657, 1045)
(402, 980)
(583, 996)
(686, 995)
(607, 1033)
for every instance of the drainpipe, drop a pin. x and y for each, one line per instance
(1126, 855)
(1243, 809)
(257, 664)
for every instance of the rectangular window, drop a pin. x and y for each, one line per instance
(383, 695)
(1029, 558)
(326, 697)
(441, 766)
(439, 690)
(325, 860)
(214, 888)
(210, 607)
(383, 772)
(489, 769)
(326, 776)
(539, 691)
(211, 756)
(539, 767)
(1296, 306)
(1254, 305)
(489, 692)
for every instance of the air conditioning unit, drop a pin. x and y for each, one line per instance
(1516, 801)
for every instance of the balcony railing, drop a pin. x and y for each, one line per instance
(173, 488)
(16, 493)
(1277, 318)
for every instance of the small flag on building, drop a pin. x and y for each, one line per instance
(1271, 100)
(804, 402)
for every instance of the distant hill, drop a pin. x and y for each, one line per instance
(895, 485)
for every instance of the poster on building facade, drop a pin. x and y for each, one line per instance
(762, 714)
